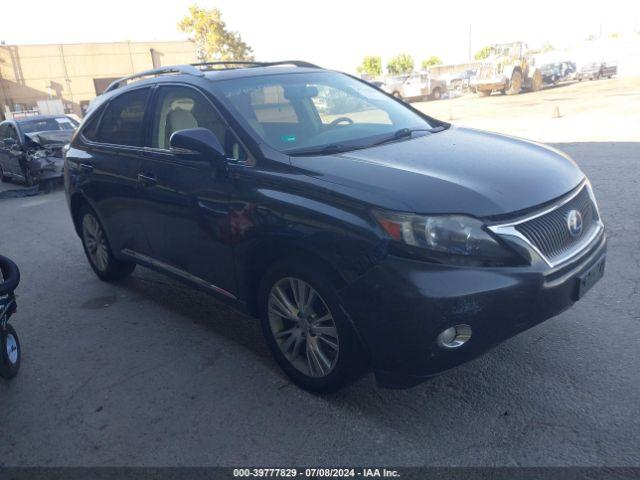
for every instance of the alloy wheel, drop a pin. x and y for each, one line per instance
(95, 242)
(303, 327)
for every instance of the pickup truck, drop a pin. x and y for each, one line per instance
(416, 87)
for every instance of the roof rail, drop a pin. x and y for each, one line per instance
(193, 69)
(186, 69)
(250, 64)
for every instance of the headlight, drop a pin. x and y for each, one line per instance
(454, 238)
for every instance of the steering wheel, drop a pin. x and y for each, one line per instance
(340, 120)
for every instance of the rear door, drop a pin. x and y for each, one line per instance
(186, 210)
(108, 164)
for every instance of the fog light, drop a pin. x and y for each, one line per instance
(454, 337)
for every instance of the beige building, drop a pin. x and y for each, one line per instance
(35, 76)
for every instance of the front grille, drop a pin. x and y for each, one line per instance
(550, 232)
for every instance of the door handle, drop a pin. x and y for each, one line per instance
(85, 167)
(147, 180)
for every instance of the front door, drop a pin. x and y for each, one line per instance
(186, 211)
(10, 154)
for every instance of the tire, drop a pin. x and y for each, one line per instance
(98, 250)
(536, 82)
(397, 95)
(484, 93)
(515, 85)
(4, 178)
(28, 179)
(9, 352)
(319, 362)
(436, 94)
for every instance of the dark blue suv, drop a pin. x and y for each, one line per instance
(364, 234)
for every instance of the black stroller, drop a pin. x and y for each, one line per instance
(9, 344)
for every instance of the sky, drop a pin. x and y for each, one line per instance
(331, 33)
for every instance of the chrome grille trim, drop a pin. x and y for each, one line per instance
(545, 234)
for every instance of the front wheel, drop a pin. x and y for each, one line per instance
(516, 83)
(3, 178)
(98, 251)
(436, 94)
(306, 328)
(10, 354)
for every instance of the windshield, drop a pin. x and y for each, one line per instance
(47, 124)
(295, 112)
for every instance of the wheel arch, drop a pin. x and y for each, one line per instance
(262, 259)
(262, 256)
(77, 201)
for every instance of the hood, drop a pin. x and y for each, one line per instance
(459, 170)
(54, 137)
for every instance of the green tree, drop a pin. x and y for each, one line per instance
(400, 64)
(483, 53)
(213, 41)
(430, 62)
(371, 65)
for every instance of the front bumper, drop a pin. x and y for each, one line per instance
(400, 306)
(49, 169)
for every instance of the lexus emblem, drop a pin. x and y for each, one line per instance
(574, 223)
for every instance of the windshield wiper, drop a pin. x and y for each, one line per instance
(407, 132)
(333, 148)
(325, 150)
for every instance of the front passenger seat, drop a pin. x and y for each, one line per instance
(178, 119)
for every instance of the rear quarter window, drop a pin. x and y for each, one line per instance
(90, 130)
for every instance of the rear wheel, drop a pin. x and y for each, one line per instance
(306, 328)
(436, 94)
(536, 82)
(516, 83)
(98, 251)
(9, 352)
(484, 93)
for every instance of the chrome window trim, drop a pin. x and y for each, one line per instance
(176, 271)
(508, 229)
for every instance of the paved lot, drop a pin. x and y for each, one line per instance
(148, 372)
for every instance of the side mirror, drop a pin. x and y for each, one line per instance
(9, 142)
(198, 144)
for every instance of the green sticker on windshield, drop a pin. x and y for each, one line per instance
(288, 138)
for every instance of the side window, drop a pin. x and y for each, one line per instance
(180, 108)
(13, 132)
(122, 120)
(7, 131)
